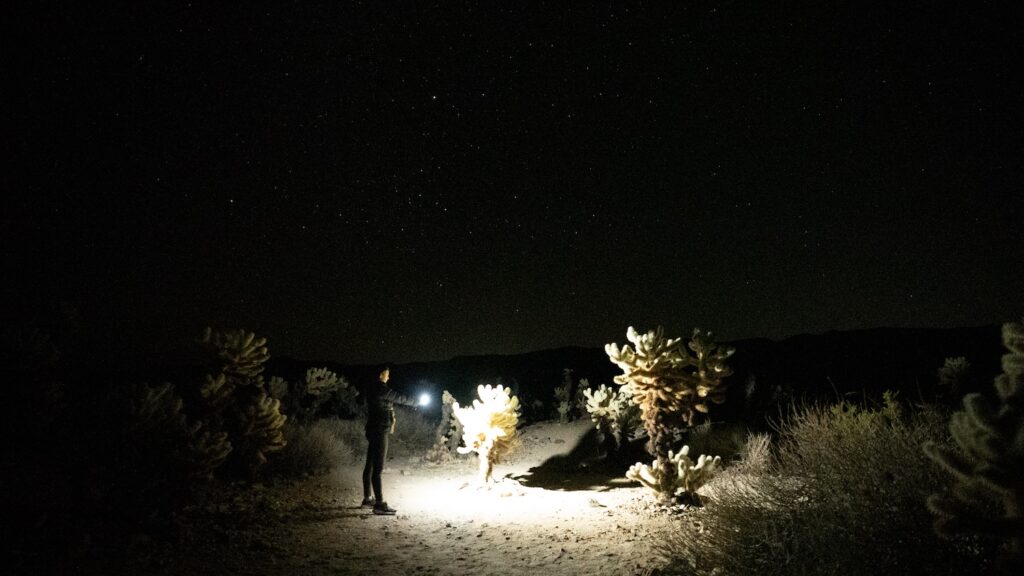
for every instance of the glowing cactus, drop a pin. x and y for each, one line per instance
(989, 464)
(670, 384)
(602, 404)
(678, 478)
(489, 426)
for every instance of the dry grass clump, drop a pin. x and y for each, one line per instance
(723, 439)
(756, 455)
(351, 432)
(845, 497)
(331, 442)
(312, 449)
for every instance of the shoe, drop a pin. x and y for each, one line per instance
(368, 503)
(382, 509)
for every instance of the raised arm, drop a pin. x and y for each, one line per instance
(397, 398)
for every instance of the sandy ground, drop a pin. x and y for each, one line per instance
(550, 513)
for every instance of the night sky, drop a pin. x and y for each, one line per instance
(366, 184)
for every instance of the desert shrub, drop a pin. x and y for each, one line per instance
(725, 439)
(756, 455)
(351, 432)
(847, 497)
(311, 449)
(747, 527)
(414, 433)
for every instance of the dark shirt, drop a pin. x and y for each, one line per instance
(380, 411)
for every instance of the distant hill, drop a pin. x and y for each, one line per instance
(765, 372)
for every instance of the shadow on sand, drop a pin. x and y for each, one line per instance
(586, 467)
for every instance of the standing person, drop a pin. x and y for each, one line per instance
(380, 421)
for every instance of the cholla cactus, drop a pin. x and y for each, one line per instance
(346, 398)
(489, 426)
(603, 405)
(322, 382)
(448, 434)
(207, 450)
(277, 387)
(677, 478)
(954, 376)
(235, 403)
(154, 409)
(158, 425)
(242, 354)
(669, 383)
(989, 464)
(217, 392)
(262, 429)
(629, 422)
(148, 453)
(579, 405)
(319, 387)
(613, 410)
(563, 394)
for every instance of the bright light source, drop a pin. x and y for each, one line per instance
(424, 399)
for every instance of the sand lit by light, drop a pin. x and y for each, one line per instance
(458, 496)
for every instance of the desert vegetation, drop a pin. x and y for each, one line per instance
(836, 484)
(841, 488)
(489, 426)
(671, 384)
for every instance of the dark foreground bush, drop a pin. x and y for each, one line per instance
(847, 496)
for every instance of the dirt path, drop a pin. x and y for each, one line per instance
(547, 515)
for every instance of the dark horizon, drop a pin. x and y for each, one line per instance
(364, 186)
